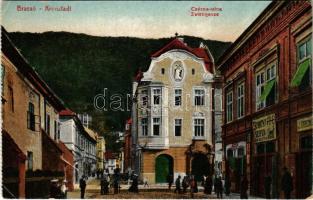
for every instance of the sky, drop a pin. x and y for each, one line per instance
(144, 19)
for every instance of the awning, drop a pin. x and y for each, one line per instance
(302, 69)
(267, 89)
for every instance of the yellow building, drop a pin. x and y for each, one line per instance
(174, 113)
(29, 112)
(100, 153)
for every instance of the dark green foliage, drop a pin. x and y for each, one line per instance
(78, 66)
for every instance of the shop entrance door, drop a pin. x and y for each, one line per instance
(163, 167)
(304, 168)
(264, 165)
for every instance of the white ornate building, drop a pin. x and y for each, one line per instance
(172, 113)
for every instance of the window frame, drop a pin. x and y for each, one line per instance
(154, 123)
(31, 122)
(178, 124)
(194, 124)
(144, 126)
(241, 99)
(48, 119)
(201, 96)
(30, 160)
(178, 95)
(267, 77)
(144, 97)
(306, 40)
(156, 96)
(229, 118)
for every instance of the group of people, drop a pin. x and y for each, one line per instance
(60, 190)
(190, 181)
(182, 185)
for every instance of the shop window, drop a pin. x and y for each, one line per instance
(306, 143)
(260, 148)
(270, 147)
(266, 147)
(303, 77)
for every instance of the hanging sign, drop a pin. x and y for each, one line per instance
(264, 128)
(305, 124)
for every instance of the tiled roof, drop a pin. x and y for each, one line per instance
(67, 112)
(91, 133)
(178, 44)
(109, 155)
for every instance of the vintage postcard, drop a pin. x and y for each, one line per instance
(156, 99)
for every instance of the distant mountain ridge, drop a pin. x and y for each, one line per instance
(79, 66)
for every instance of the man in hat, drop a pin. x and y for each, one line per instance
(177, 184)
(82, 186)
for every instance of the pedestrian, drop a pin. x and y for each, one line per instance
(286, 183)
(218, 187)
(102, 182)
(145, 182)
(267, 186)
(243, 187)
(208, 185)
(116, 181)
(134, 185)
(82, 186)
(177, 184)
(185, 184)
(169, 181)
(227, 185)
(192, 185)
(195, 188)
(64, 190)
(54, 189)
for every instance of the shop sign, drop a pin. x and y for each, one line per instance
(264, 128)
(305, 124)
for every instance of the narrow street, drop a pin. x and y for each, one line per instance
(152, 192)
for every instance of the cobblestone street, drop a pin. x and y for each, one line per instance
(153, 192)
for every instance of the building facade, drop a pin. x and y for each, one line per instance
(267, 120)
(173, 115)
(100, 153)
(90, 147)
(128, 147)
(79, 142)
(30, 127)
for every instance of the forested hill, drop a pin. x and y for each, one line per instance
(79, 66)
